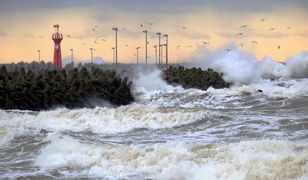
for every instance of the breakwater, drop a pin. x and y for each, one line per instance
(194, 78)
(73, 89)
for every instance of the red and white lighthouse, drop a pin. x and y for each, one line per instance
(57, 57)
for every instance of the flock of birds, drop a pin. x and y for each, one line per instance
(95, 29)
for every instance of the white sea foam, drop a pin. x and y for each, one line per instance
(97, 120)
(264, 159)
(242, 68)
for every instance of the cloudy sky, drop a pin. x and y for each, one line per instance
(26, 26)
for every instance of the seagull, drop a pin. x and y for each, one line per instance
(95, 42)
(239, 34)
(183, 27)
(228, 50)
(68, 35)
(255, 42)
(96, 26)
(205, 43)
(126, 45)
(242, 44)
(103, 39)
(262, 19)
(141, 25)
(93, 29)
(150, 24)
(178, 46)
(271, 29)
(288, 27)
(244, 26)
(278, 47)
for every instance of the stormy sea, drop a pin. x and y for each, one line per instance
(256, 129)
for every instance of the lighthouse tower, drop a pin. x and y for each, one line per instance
(57, 38)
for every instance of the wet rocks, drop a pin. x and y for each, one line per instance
(194, 78)
(73, 89)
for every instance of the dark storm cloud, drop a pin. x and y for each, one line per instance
(153, 6)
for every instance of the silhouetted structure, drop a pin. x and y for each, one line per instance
(57, 38)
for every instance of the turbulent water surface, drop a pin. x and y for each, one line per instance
(168, 133)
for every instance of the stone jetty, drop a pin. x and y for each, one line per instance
(194, 78)
(76, 88)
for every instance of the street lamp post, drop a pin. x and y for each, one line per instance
(155, 54)
(166, 36)
(137, 48)
(39, 55)
(146, 46)
(116, 44)
(113, 54)
(159, 52)
(72, 55)
(92, 49)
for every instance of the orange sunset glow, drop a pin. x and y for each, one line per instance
(26, 26)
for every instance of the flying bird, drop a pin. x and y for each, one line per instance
(255, 42)
(95, 42)
(239, 34)
(288, 27)
(103, 39)
(96, 26)
(242, 44)
(126, 45)
(278, 47)
(183, 27)
(141, 25)
(205, 43)
(228, 50)
(244, 26)
(271, 29)
(262, 19)
(93, 29)
(68, 35)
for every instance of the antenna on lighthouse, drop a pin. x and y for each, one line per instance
(56, 26)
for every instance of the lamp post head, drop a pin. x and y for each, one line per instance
(158, 33)
(137, 48)
(71, 49)
(114, 28)
(112, 48)
(155, 46)
(145, 31)
(165, 35)
(38, 50)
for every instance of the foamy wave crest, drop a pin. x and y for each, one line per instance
(98, 120)
(264, 159)
(241, 68)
